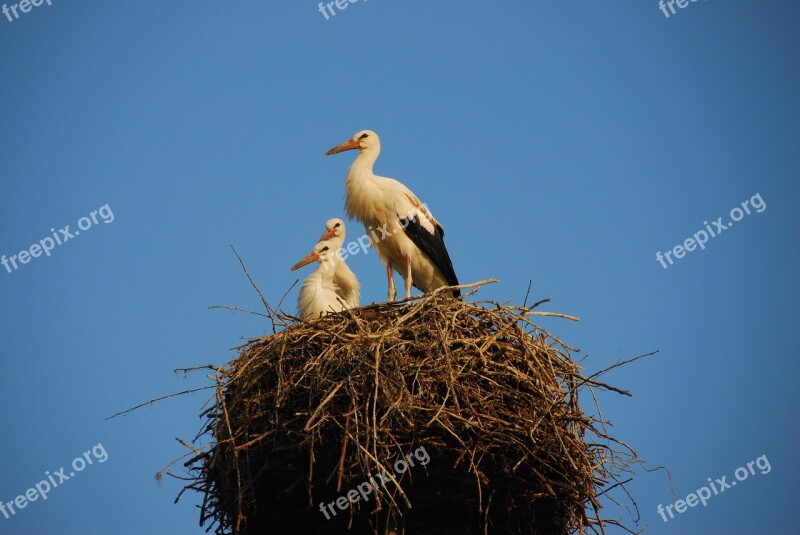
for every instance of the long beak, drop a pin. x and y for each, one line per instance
(327, 235)
(347, 145)
(311, 257)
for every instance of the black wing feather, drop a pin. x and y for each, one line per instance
(433, 247)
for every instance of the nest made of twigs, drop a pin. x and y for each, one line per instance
(306, 415)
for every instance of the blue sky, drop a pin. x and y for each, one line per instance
(559, 142)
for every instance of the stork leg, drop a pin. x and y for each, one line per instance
(390, 276)
(409, 279)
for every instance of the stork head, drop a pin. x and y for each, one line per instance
(324, 252)
(366, 140)
(334, 229)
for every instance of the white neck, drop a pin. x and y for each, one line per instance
(338, 241)
(327, 268)
(360, 186)
(364, 162)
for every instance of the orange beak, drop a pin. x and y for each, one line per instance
(347, 145)
(327, 235)
(311, 257)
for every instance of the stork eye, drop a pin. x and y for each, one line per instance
(337, 225)
(324, 249)
(362, 136)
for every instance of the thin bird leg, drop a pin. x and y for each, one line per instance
(390, 276)
(409, 279)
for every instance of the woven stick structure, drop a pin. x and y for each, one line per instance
(429, 416)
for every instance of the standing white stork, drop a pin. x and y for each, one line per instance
(318, 294)
(344, 278)
(410, 240)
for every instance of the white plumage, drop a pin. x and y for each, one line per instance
(344, 278)
(318, 294)
(402, 230)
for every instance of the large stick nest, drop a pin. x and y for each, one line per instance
(304, 416)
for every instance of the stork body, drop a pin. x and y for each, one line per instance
(402, 230)
(344, 278)
(319, 294)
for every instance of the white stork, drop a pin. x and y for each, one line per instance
(318, 294)
(344, 278)
(403, 231)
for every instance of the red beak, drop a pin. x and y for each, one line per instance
(311, 257)
(327, 235)
(347, 145)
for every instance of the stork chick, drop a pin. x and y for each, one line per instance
(344, 278)
(318, 294)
